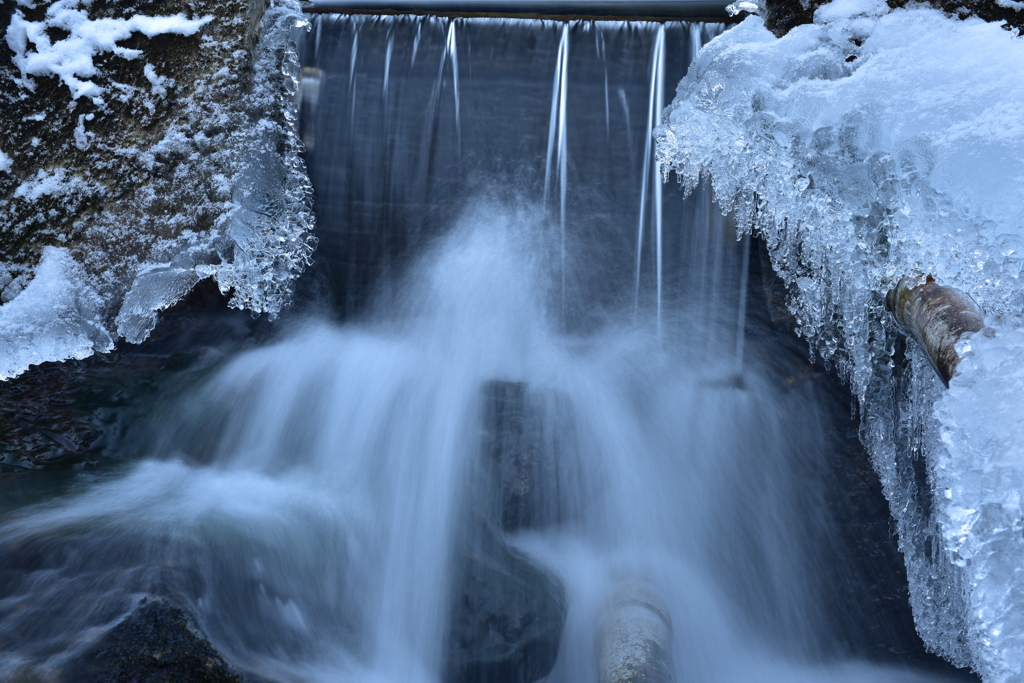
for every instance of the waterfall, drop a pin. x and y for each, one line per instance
(316, 500)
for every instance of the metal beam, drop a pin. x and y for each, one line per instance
(708, 10)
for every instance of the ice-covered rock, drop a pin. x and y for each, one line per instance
(780, 16)
(54, 317)
(155, 151)
(979, 477)
(872, 144)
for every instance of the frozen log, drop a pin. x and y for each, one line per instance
(635, 640)
(937, 317)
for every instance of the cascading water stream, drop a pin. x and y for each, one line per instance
(655, 105)
(309, 502)
(557, 151)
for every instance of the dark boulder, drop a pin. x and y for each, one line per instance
(73, 414)
(507, 616)
(154, 644)
(526, 435)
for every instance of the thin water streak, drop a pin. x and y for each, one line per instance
(655, 104)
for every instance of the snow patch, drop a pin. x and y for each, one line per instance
(82, 137)
(52, 319)
(55, 183)
(159, 84)
(71, 58)
(5, 163)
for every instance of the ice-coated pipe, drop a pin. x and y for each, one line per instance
(635, 638)
(937, 317)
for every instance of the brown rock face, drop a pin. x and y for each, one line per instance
(122, 173)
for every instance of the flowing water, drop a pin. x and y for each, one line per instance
(488, 213)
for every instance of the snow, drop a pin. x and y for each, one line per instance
(71, 58)
(159, 83)
(52, 319)
(873, 144)
(54, 183)
(5, 163)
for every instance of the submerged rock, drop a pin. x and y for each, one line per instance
(507, 616)
(154, 644)
(507, 613)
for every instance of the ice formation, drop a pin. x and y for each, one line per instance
(264, 240)
(54, 317)
(872, 144)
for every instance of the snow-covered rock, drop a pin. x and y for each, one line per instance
(154, 151)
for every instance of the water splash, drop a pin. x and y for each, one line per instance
(303, 503)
